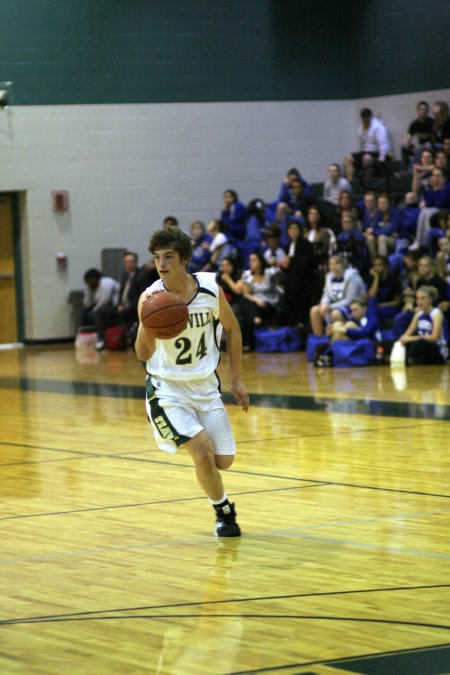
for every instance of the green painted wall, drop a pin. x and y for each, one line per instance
(119, 51)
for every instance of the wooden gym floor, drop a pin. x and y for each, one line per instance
(108, 562)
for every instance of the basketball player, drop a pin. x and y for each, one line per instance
(184, 403)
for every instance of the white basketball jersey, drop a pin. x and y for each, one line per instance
(193, 354)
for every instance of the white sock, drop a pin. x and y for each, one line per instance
(216, 502)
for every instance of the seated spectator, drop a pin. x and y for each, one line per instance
(429, 276)
(407, 218)
(335, 184)
(351, 245)
(101, 296)
(422, 171)
(436, 197)
(342, 285)
(322, 239)
(346, 204)
(370, 211)
(438, 225)
(420, 131)
(385, 288)
(446, 148)
(442, 162)
(219, 247)
(298, 267)
(260, 298)
(260, 214)
(228, 279)
(374, 145)
(424, 338)
(254, 226)
(233, 216)
(201, 242)
(361, 325)
(170, 221)
(273, 254)
(285, 197)
(443, 258)
(441, 129)
(381, 238)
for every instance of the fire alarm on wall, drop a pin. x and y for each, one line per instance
(60, 200)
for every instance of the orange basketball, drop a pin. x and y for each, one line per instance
(164, 315)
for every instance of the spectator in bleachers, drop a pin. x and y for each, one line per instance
(441, 127)
(422, 171)
(385, 288)
(101, 296)
(233, 216)
(438, 225)
(407, 217)
(443, 259)
(380, 239)
(220, 247)
(424, 338)
(322, 239)
(442, 162)
(260, 297)
(420, 131)
(201, 242)
(351, 245)
(273, 254)
(362, 323)
(170, 221)
(436, 197)
(346, 204)
(228, 278)
(429, 276)
(290, 194)
(446, 149)
(374, 145)
(299, 276)
(370, 212)
(335, 184)
(342, 285)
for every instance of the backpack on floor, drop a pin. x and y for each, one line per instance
(349, 353)
(312, 343)
(285, 339)
(115, 337)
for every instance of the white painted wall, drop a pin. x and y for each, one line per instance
(127, 166)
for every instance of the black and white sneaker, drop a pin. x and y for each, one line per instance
(226, 525)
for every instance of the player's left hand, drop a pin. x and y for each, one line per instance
(241, 396)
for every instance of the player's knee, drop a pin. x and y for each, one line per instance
(203, 453)
(224, 462)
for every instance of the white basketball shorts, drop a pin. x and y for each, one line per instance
(178, 411)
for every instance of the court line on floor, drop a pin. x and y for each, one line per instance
(290, 532)
(153, 503)
(302, 617)
(265, 598)
(123, 456)
(344, 659)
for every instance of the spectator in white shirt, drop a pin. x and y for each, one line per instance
(374, 145)
(335, 184)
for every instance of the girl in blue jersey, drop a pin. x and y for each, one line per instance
(184, 403)
(424, 339)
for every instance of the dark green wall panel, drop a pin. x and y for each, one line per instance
(120, 51)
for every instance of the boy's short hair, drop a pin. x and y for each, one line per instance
(174, 238)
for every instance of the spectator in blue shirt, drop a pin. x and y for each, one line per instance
(381, 237)
(233, 216)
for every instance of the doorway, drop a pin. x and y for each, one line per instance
(10, 290)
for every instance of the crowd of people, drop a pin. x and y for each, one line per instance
(330, 265)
